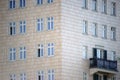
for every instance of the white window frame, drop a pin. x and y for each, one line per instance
(94, 5)
(23, 76)
(113, 8)
(12, 77)
(41, 74)
(85, 4)
(40, 53)
(51, 74)
(104, 6)
(22, 27)
(85, 77)
(50, 23)
(40, 24)
(113, 55)
(12, 28)
(50, 1)
(50, 49)
(113, 33)
(104, 31)
(94, 29)
(12, 54)
(22, 53)
(11, 6)
(22, 3)
(39, 2)
(85, 48)
(85, 26)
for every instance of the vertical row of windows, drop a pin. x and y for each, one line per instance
(95, 30)
(94, 6)
(12, 53)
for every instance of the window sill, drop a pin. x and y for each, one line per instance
(113, 40)
(113, 15)
(104, 37)
(85, 33)
(94, 35)
(85, 8)
(104, 13)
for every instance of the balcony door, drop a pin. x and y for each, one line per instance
(99, 53)
(99, 77)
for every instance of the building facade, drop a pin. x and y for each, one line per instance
(59, 40)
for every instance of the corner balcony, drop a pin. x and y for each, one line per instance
(103, 66)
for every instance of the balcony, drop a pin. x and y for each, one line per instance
(102, 65)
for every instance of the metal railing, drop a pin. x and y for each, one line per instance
(103, 63)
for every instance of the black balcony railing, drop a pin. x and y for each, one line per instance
(104, 64)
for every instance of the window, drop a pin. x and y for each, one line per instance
(12, 28)
(40, 75)
(51, 74)
(49, 1)
(104, 31)
(99, 53)
(39, 2)
(94, 29)
(50, 23)
(104, 6)
(113, 9)
(84, 76)
(84, 52)
(113, 78)
(94, 5)
(113, 55)
(50, 49)
(40, 24)
(85, 4)
(12, 77)
(23, 76)
(100, 77)
(11, 4)
(12, 53)
(22, 53)
(22, 3)
(113, 33)
(22, 26)
(85, 26)
(40, 50)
